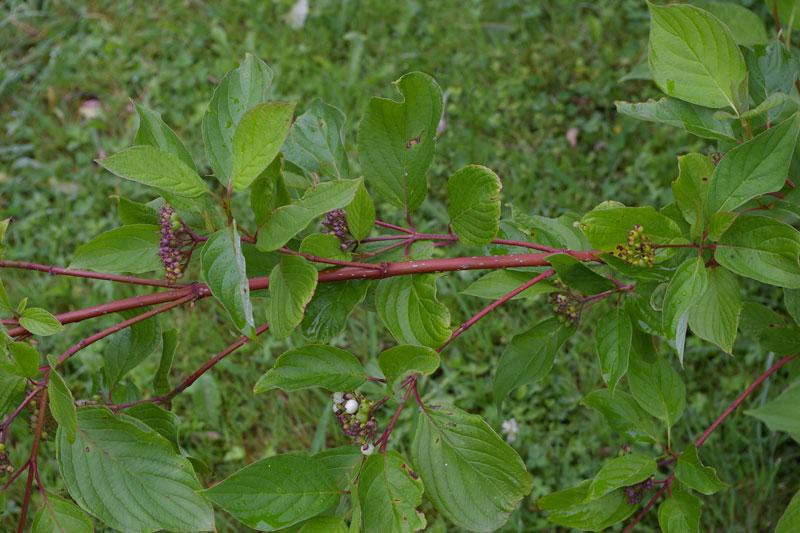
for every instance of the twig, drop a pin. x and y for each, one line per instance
(32, 468)
(60, 271)
(194, 376)
(714, 425)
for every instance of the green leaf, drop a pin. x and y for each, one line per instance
(316, 142)
(313, 365)
(529, 356)
(360, 214)
(156, 417)
(276, 492)
(470, 474)
(130, 249)
(607, 226)
(757, 167)
(715, 316)
(153, 131)
(473, 204)
(658, 388)
(613, 337)
(558, 232)
(747, 28)
(497, 283)
(258, 139)
(771, 69)
(326, 245)
(790, 521)
(288, 220)
(129, 476)
(62, 403)
(399, 362)
(169, 343)
(694, 57)
(268, 192)
(690, 189)
(11, 387)
(389, 495)
(569, 508)
(291, 286)
(578, 276)
(39, 321)
(126, 349)
(619, 472)
(623, 414)
(683, 291)
(327, 313)
(324, 524)
(223, 267)
(151, 166)
(131, 212)
(780, 414)
(58, 515)
(240, 90)
(396, 140)
(26, 357)
(694, 119)
(408, 307)
(694, 475)
(791, 300)
(680, 513)
(763, 249)
(788, 12)
(341, 463)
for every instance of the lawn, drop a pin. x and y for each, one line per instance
(530, 93)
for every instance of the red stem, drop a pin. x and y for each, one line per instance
(494, 305)
(194, 376)
(386, 270)
(738, 401)
(75, 348)
(382, 224)
(707, 433)
(32, 469)
(60, 271)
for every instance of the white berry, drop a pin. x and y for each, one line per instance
(335, 408)
(367, 448)
(351, 406)
(338, 397)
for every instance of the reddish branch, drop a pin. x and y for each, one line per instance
(194, 376)
(411, 383)
(32, 464)
(385, 270)
(494, 305)
(707, 433)
(60, 271)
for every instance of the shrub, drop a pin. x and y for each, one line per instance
(656, 275)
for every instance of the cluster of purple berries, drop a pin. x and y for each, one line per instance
(336, 222)
(172, 242)
(634, 493)
(354, 414)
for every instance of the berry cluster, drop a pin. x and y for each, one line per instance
(5, 464)
(49, 425)
(336, 222)
(354, 414)
(173, 239)
(639, 250)
(634, 493)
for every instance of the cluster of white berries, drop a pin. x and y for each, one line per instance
(353, 413)
(510, 429)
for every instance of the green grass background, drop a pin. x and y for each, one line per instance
(519, 74)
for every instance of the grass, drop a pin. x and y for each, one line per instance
(518, 75)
